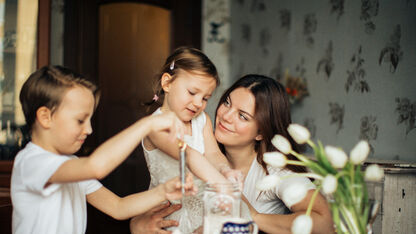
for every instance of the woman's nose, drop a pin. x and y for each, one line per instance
(227, 115)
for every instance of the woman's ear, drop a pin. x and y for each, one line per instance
(44, 116)
(165, 82)
(259, 137)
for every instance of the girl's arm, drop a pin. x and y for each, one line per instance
(212, 151)
(111, 153)
(136, 204)
(197, 163)
(282, 223)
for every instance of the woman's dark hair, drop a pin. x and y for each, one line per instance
(188, 59)
(47, 86)
(272, 114)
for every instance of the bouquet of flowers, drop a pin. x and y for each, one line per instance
(340, 178)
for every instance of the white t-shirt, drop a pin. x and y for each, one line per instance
(271, 202)
(58, 208)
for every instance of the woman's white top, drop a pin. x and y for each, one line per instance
(271, 201)
(163, 167)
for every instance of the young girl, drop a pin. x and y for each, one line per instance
(49, 185)
(186, 82)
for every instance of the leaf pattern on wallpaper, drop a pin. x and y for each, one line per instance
(369, 9)
(336, 111)
(258, 5)
(392, 52)
(369, 130)
(356, 75)
(285, 19)
(246, 33)
(276, 71)
(337, 7)
(407, 113)
(310, 25)
(214, 33)
(300, 68)
(265, 38)
(309, 123)
(326, 64)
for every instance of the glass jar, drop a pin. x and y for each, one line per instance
(221, 203)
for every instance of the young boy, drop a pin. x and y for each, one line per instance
(50, 186)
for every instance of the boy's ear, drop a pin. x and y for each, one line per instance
(165, 82)
(44, 116)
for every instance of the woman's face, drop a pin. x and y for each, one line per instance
(235, 124)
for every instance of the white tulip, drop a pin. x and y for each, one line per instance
(293, 194)
(329, 184)
(282, 144)
(299, 133)
(374, 173)
(275, 159)
(337, 157)
(302, 225)
(360, 152)
(268, 182)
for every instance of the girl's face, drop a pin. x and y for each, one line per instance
(71, 122)
(235, 124)
(188, 93)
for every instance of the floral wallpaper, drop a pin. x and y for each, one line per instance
(358, 59)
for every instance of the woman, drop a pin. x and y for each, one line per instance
(249, 114)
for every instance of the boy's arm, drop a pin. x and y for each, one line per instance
(115, 150)
(138, 203)
(197, 163)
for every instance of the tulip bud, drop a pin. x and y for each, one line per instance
(293, 194)
(299, 133)
(275, 159)
(268, 182)
(374, 173)
(336, 156)
(360, 152)
(282, 144)
(329, 184)
(302, 225)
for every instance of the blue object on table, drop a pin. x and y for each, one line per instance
(245, 227)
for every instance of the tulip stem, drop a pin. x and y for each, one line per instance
(312, 201)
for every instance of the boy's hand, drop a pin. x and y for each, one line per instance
(173, 188)
(168, 121)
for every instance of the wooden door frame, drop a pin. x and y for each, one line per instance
(44, 32)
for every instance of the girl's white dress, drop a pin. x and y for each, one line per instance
(163, 167)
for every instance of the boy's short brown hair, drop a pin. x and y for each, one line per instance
(47, 86)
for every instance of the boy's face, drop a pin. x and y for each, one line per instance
(71, 122)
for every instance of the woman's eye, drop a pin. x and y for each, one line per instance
(80, 121)
(243, 117)
(227, 102)
(191, 93)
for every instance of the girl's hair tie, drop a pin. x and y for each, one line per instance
(155, 98)
(172, 65)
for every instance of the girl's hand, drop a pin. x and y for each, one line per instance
(169, 122)
(232, 175)
(173, 188)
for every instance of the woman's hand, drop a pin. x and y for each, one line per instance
(153, 221)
